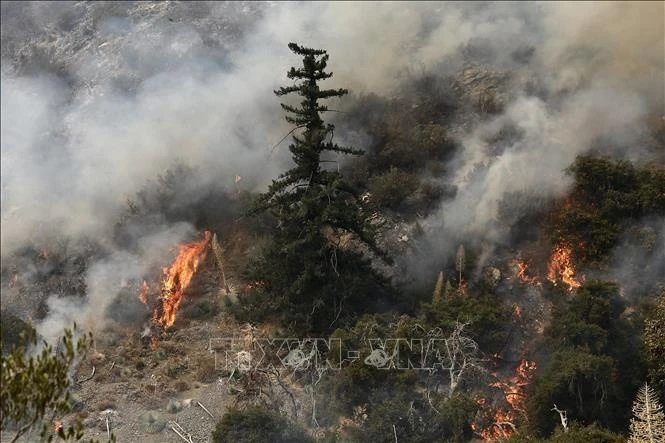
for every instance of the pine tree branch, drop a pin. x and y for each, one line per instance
(327, 93)
(286, 90)
(301, 50)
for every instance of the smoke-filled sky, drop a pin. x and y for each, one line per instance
(99, 97)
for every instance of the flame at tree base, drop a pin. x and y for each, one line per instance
(143, 293)
(177, 278)
(514, 391)
(561, 267)
(521, 272)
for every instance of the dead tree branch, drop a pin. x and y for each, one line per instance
(89, 378)
(563, 415)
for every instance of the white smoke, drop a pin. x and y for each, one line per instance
(99, 97)
(107, 278)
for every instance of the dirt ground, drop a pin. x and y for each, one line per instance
(144, 389)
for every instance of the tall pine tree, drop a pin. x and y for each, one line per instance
(310, 275)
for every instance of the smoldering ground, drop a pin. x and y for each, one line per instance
(99, 97)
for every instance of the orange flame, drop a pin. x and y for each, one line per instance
(500, 429)
(251, 285)
(521, 272)
(561, 267)
(143, 293)
(43, 253)
(178, 277)
(514, 392)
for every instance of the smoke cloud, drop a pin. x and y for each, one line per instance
(108, 278)
(99, 97)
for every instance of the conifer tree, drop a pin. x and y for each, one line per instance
(648, 422)
(460, 262)
(305, 270)
(654, 343)
(437, 296)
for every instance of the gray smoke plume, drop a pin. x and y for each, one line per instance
(599, 91)
(99, 97)
(107, 278)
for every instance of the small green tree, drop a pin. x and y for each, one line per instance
(392, 188)
(576, 381)
(34, 389)
(437, 296)
(460, 262)
(312, 276)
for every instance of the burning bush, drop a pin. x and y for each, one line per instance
(177, 278)
(607, 197)
(175, 281)
(561, 267)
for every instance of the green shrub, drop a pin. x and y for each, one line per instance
(392, 188)
(11, 328)
(152, 422)
(490, 321)
(587, 434)
(257, 425)
(413, 420)
(608, 196)
(34, 386)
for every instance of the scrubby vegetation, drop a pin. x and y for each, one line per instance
(255, 425)
(430, 334)
(36, 388)
(595, 351)
(608, 197)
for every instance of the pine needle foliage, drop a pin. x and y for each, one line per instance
(36, 387)
(648, 422)
(308, 180)
(311, 276)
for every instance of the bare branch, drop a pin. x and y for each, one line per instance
(205, 409)
(89, 378)
(563, 415)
